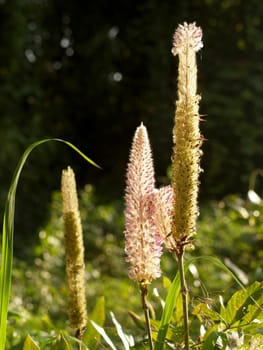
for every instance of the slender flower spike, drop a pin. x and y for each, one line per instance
(143, 243)
(74, 251)
(187, 41)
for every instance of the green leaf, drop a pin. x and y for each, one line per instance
(166, 282)
(170, 301)
(91, 337)
(29, 344)
(202, 311)
(244, 306)
(8, 235)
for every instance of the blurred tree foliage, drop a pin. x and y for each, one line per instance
(91, 71)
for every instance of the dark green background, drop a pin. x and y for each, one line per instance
(57, 66)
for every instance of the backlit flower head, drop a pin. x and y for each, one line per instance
(187, 36)
(143, 243)
(186, 134)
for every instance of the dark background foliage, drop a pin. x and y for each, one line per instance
(91, 71)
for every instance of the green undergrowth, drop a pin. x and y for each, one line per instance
(231, 229)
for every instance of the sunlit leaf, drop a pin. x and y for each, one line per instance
(170, 301)
(29, 344)
(245, 305)
(203, 311)
(254, 197)
(104, 335)
(126, 340)
(166, 282)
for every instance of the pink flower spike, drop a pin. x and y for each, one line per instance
(143, 244)
(164, 215)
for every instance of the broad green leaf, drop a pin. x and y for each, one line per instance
(29, 344)
(255, 308)
(8, 235)
(91, 337)
(244, 305)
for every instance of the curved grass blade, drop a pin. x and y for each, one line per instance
(8, 234)
(124, 338)
(104, 335)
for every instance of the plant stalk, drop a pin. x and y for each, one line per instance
(184, 292)
(144, 292)
(78, 335)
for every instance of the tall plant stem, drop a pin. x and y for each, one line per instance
(144, 292)
(184, 292)
(78, 335)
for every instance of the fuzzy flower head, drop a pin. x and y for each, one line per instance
(164, 199)
(187, 36)
(186, 134)
(143, 243)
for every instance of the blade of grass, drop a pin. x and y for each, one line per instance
(120, 332)
(219, 263)
(104, 335)
(168, 310)
(8, 234)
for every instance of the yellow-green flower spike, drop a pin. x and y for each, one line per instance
(74, 251)
(187, 139)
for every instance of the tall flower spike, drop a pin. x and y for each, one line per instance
(74, 251)
(187, 41)
(143, 244)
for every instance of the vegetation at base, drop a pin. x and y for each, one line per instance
(38, 302)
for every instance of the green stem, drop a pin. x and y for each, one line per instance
(144, 292)
(184, 292)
